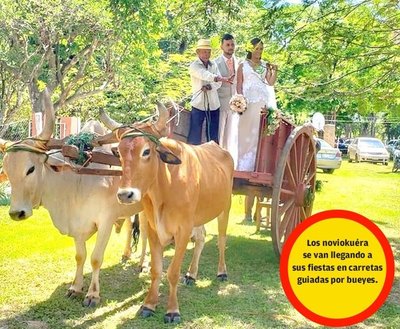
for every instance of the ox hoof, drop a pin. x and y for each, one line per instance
(222, 277)
(172, 318)
(124, 259)
(71, 293)
(143, 269)
(145, 312)
(188, 280)
(91, 301)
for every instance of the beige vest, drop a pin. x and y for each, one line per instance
(226, 90)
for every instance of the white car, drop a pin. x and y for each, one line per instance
(328, 157)
(368, 149)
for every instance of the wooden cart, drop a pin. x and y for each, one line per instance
(285, 172)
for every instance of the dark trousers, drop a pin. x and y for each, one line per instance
(196, 126)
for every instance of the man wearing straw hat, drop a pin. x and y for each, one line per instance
(206, 79)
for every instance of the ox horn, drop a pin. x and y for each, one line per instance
(107, 121)
(47, 131)
(163, 116)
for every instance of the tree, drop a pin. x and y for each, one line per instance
(338, 55)
(76, 48)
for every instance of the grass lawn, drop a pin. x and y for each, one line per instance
(37, 264)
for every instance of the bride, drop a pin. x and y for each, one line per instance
(255, 80)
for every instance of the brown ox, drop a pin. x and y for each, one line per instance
(198, 232)
(181, 186)
(79, 205)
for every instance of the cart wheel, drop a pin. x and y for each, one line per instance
(294, 185)
(396, 164)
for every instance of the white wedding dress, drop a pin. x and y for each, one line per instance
(243, 140)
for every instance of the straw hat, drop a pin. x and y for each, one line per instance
(204, 44)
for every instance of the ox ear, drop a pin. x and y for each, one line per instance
(3, 176)
(167, 156)
(115, 151)
(4, 144)
(163, 114)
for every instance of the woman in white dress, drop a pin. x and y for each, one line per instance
(255, 80)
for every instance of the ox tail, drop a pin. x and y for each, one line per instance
(135, 232)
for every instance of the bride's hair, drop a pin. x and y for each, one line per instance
(254, 42)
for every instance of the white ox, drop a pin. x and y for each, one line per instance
(79, 205)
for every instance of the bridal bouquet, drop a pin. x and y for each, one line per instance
(238, 103)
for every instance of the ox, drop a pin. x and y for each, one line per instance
(198, 233)
(181, 187)
(79, 205)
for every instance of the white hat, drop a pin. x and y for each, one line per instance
(204, 44)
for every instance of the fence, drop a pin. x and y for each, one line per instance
(19, 130)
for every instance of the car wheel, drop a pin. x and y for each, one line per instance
(328, 171)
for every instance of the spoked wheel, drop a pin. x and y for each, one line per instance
(294, 185)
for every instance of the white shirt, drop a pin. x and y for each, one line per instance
(201, 76)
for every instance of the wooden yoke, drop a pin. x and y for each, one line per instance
(72, 152)
(109, 138)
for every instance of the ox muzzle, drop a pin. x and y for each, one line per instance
(19, 214)
(129, 195)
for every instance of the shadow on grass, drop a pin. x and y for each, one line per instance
(253, 286)
(251, 298)
(391, 308)
(386, 173)
(244, 300)
(118, 284)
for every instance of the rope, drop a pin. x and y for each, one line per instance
(178, 110)
(208, 116)
(136, 132)
(39, 147)
(207, 111)
(148, 118)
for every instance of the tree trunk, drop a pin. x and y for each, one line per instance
(34, 95)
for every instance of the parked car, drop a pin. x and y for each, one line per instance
(368, 149)
(328, 158)
(391, 146)
(342, 145)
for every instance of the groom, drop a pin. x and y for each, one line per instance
(227, 65)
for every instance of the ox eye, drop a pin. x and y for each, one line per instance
(146, 152)
(30, 170)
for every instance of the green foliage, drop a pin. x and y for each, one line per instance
(16, 131)
(335, 57)
(80, 47)
(4, 196)
(318, 185)
(336, 51)
(83, 141)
